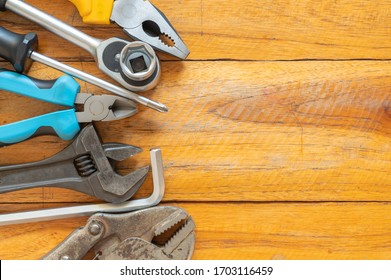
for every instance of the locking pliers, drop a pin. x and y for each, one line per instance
(158, 233)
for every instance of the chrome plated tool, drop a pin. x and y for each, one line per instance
(83, 166)
(134, 65)
(20, 51)
(159, 233)
(140, 19)
(88, 210)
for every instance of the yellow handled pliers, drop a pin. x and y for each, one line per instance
(140, 20)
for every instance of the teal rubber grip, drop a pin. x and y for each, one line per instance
(62, 91)
(61, 123)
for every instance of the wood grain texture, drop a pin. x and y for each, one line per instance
(260, 131)
(256, 30)
(248, 231)
(277, 141)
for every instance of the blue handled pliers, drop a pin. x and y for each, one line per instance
(63, 91)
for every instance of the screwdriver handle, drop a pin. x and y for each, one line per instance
(2, 5)
(54, 25)
(62, 91)
(16, 48)
(62, 123)
(94, 11)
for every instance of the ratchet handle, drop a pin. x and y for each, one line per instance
(94, 11)
(62, 91)
(16, 48)
(62, 123)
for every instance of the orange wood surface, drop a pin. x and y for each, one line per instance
(277, 135)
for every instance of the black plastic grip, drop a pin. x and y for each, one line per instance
(2, 5)
(16, 48)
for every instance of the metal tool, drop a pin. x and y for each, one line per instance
(83, 166)
(62, 91)
(131, 236)
(141, 63)
(140, 19)
(20, 51)
(88, 210)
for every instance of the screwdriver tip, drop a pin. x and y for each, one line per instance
(164, 109)
(158, 106)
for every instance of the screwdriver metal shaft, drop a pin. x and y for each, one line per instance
(97, 82)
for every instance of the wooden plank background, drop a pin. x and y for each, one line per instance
(277, 138)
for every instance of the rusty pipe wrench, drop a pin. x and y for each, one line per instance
(134, 65)
(88, 210)
(158, 233)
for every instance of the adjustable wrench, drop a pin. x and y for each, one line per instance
(83, 166)
(133, 64)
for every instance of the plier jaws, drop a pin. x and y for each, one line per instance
(103, 108)
(142, 21)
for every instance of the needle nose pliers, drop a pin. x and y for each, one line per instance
(62, 91)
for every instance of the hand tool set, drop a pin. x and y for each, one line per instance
(120, 229)
(132, 64)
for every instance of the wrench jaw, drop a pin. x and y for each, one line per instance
(97, 172)
(142, 21)
(116, 188)
(120, 152)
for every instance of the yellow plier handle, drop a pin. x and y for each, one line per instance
(94, 11)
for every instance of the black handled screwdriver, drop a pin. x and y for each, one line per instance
(20, 51)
